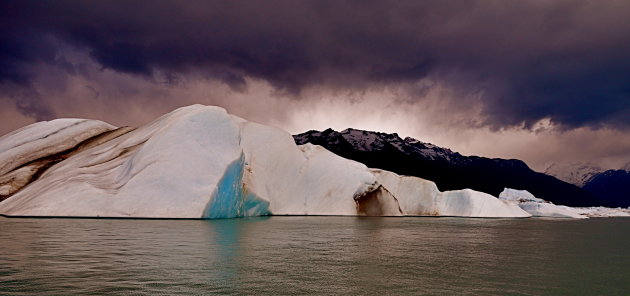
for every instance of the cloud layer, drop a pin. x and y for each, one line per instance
(492, 66)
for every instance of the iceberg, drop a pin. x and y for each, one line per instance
(603, 212)
(195, 162)
(182, 165)
(199, 162)
(538, 207)
(419, 197)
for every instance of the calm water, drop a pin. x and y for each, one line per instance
(315, 255)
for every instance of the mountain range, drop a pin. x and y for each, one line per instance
(452, 171)
(610, 185)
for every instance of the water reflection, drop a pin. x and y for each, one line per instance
(226, 253)
(314, 255)
(224, 246)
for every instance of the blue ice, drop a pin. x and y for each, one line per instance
(232, 199)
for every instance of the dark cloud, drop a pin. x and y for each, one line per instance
(566, 60)
(27, 100)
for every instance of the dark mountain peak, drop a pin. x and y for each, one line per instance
(448, 169)
(410, 140)
(516, 163)
(615, 173)
(354, 130)
(357, 134)
(366, 141)
(612, 186)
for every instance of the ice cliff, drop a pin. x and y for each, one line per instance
(201, 162)
(419, 197)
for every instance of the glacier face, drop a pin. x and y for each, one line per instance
(538, 207)
(603, 212)
(419, 197)
(201, 162)
(300, 180)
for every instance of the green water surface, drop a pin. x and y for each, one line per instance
(315, 255)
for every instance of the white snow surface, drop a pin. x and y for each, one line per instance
(541, 208)
(514, 195)
(167, 169)
(538, 209)
(420, 197)
(536, 206)
(363, 141)
(196, 162)
(603, 212)
(45, 138)
(575, 173)
(300, 180)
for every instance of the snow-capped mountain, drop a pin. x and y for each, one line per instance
(611, 186)
(448, 169)
(575, 173)
(367, 141)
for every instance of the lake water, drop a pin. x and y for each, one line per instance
(315, 255)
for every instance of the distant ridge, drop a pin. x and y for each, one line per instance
(610, 186)
(575, 173)
(448, 169)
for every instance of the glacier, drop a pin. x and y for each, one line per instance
(541, 208)
(603, 212)
(419, 197)
(536, 206)
(200, 162)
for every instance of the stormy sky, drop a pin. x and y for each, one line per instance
(543, 81)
